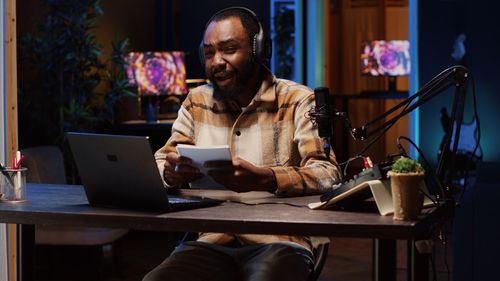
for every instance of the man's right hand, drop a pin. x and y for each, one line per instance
(178, 170)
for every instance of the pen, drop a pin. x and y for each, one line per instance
(18, 182)
(18, 160)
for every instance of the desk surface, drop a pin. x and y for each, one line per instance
(67, 204)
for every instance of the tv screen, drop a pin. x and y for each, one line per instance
(157, 73)
(385, 58)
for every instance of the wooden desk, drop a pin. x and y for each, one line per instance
(67, 205)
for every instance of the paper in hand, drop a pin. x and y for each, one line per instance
(202, 154)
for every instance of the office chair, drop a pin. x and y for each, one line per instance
(46, 165)
(320, 254)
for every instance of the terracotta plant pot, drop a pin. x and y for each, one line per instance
(406, 195)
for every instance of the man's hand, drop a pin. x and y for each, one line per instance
(241, 176)
(178, 170)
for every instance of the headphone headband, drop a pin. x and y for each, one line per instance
(261, 44)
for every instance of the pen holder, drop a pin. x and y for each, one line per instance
(13, 184)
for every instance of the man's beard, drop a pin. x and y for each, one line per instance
(241, 80)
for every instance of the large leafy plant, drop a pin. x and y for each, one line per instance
(64, 82)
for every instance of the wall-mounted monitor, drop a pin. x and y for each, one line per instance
(157, 73)
(385, 58)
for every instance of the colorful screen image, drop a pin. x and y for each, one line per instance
(385, 58)
(157, 73)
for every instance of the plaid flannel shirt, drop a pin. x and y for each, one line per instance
(271, 131)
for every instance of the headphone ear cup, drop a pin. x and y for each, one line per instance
(262, 47)
(257, 47)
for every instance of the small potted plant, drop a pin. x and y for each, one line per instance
(407, 177)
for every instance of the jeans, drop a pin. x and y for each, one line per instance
(200, 261)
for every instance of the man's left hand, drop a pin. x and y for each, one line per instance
(240, 175)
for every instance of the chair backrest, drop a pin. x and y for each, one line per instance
(320, 255)
(45, 164)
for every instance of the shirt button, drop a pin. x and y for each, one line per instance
(238, 133)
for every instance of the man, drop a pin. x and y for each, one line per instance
(274, 148)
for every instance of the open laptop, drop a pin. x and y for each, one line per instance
(120, 171)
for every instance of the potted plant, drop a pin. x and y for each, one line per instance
(407, 176)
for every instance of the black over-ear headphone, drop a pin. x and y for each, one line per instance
(261, 44)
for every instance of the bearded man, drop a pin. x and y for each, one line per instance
(274, 148)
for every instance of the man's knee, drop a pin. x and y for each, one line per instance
(193, 262)
(280, 262)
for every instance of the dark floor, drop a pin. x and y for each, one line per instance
(348, 260)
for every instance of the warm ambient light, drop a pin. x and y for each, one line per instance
(157, 73)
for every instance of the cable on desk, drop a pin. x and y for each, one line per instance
(268, 203)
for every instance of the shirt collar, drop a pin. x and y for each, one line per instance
(267, 90)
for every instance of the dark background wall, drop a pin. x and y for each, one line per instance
(475, 234)
(151, 25)
(440, 22)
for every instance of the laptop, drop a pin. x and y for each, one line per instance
(119, 171)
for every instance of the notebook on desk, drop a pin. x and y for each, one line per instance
(119, 171)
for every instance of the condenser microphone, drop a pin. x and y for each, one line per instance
(323, 114)
(323, 117)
